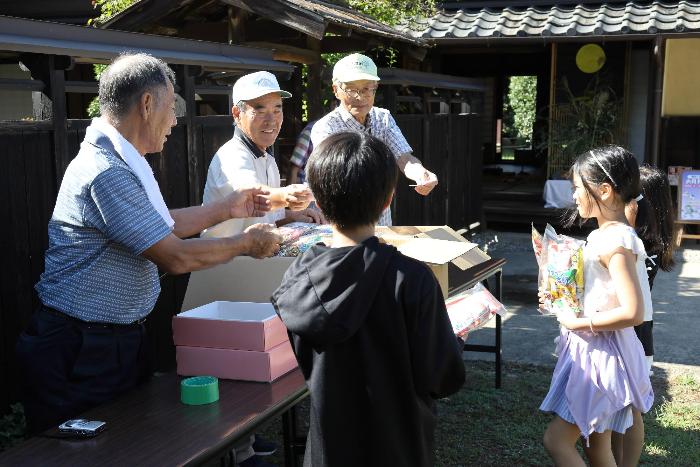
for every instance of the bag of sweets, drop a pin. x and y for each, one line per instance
(560, 261)
(472, 309)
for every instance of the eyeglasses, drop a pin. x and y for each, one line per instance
(359, 93)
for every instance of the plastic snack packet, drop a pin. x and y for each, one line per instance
(560, 261)
(297, 237)
(472, 309)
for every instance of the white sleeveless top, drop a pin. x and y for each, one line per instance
(599, 292)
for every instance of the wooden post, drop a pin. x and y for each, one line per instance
(315, 83)
(59, 116)
(194, 148)
(655, 143)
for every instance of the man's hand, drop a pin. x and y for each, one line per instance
(248, 202)
(262, 240)
(426, 182)
(298, 196)
(295, 197)
(310, 216)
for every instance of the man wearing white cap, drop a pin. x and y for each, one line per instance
(244, 161)
(355, 82)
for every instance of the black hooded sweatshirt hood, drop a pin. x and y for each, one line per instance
(328, 292)
(371, 334)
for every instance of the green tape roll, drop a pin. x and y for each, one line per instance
(199, 390)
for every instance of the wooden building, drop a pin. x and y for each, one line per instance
(645, 61)
(35, 151)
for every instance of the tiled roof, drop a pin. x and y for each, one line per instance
(612, 18)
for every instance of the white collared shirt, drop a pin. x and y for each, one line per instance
(234, 166)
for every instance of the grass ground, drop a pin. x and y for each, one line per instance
(484, 426)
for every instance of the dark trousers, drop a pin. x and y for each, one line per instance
(69, 366)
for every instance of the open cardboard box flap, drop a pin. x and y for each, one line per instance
(245, 279)
(433, 244)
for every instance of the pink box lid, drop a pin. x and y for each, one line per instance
(230, 325)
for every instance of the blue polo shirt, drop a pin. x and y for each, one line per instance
(101, 224)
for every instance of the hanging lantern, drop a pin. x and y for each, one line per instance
(590, 58)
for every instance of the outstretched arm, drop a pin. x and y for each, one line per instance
(177, 256)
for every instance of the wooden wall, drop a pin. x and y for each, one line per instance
(28, 188)
(449, 145)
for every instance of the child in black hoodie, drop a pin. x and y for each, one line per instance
(368, 325)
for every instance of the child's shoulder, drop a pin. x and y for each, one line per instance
(615, 235)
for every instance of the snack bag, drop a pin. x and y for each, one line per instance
(297, 237)
(560, 261)
(472, 309)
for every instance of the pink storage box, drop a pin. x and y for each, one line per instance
(230, 325)
(243, 365)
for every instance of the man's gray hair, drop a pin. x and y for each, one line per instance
(241, 105)
(125, 80)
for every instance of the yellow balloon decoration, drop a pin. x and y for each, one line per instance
(590, 58)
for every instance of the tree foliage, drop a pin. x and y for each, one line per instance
(109, 8)
(393, 12)
(521, 107)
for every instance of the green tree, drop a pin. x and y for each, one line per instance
(393, 12)
(108, 8)
(521, 103)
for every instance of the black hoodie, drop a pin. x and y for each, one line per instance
(372, 337)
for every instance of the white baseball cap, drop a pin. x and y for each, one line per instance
(355, 67)
(254, 85)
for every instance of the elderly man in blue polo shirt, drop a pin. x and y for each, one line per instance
(109, 233)
(355, 83)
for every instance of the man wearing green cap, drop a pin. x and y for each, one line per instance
(355, 85)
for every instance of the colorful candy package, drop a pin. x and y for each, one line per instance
(560, 261)
(297, 237)
(472, 309)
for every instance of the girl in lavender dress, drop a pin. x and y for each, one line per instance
(601, 374)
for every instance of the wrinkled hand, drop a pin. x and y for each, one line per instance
(426, 182)
(263, 240)
(310, 216)
(248, 202)
(298, 196)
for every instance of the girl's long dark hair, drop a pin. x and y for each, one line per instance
(655, 225)
(608, 164)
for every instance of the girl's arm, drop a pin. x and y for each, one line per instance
(621, 264)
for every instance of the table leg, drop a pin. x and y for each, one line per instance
(499, 291)
(291, 438)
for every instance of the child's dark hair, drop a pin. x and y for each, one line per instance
(655, 225)
(352, 176)
(608, 164)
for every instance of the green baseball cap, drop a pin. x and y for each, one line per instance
(355, 67)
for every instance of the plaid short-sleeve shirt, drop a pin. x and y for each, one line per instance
(379, 124)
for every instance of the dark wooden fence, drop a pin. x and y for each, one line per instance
(450, 146)
(30, 176)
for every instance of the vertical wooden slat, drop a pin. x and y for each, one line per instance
(16, 282)
(57, 83)
(194, 148)
(314, 83)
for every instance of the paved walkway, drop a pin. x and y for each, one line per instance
(528, 336)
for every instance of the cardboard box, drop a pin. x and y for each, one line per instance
(230, 325)
(246, 365)
(242, 279)
(246, 279)
(444, 250)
